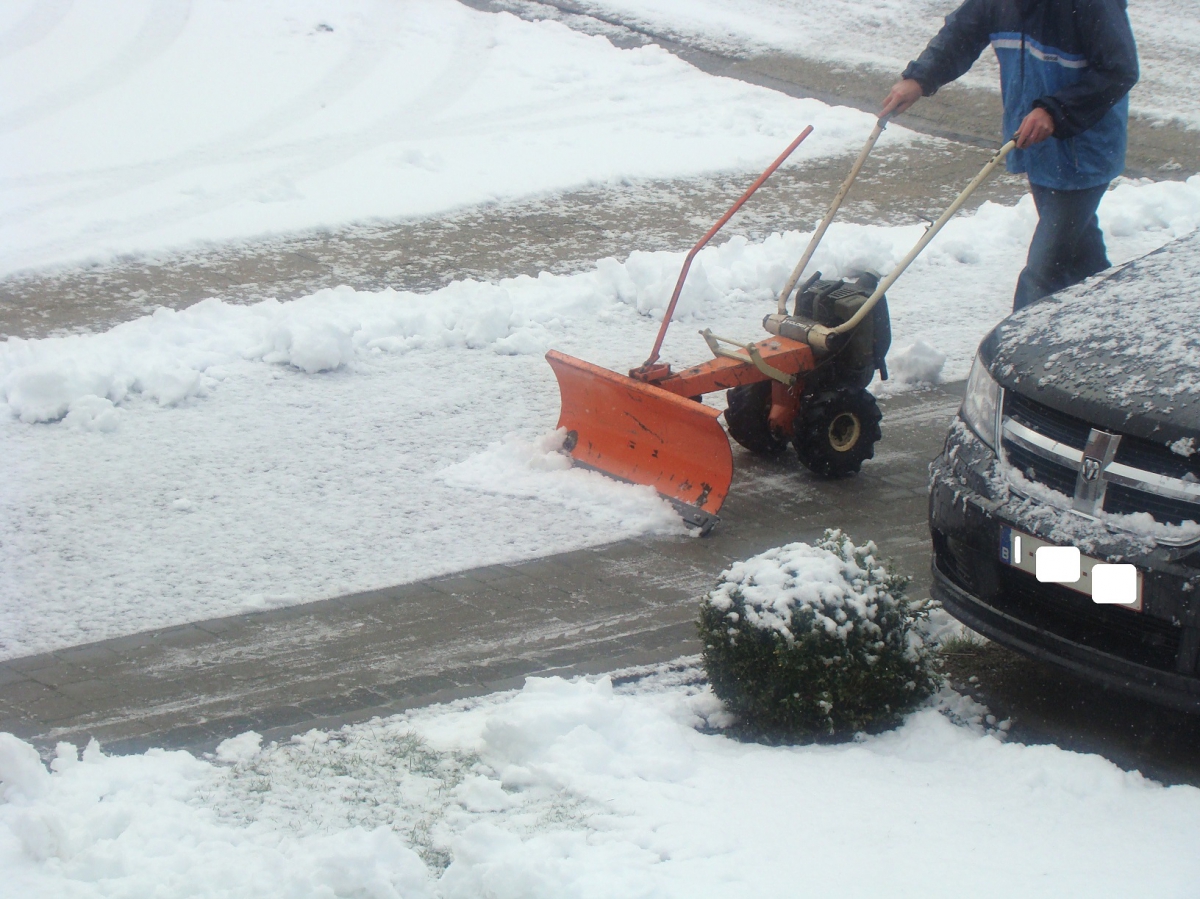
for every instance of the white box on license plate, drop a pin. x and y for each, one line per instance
(1019, 550)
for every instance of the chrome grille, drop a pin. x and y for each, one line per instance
(1130, 474)
(1125, 501)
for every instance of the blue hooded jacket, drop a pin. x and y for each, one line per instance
(1074, 58)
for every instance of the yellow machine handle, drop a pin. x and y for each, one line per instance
(833, 208)
(822, 338)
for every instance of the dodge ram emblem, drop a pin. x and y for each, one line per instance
(1091, 468)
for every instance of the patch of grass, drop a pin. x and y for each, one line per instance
(969, 643)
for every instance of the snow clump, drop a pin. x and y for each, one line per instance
(917, 364)
(241, 748)
(1184, 446)
(812, 641)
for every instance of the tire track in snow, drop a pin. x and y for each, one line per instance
(35, 26)
(457, 75)
(356, 64)
(163, 24)
(299, 159)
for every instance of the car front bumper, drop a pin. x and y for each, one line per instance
(1153, 654)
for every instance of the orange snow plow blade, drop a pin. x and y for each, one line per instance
(639, 433)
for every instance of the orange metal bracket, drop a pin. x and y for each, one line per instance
(789, 356)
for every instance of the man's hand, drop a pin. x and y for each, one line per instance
(904, 94)
(1038, 126)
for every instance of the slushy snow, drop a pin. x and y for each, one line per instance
(918, 363)
(586, 788)
(223, 458)
(884, 35)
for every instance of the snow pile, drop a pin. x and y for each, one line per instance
(539, 469)
(206, 465)
(917, 364)
(104, 826)
(815, 641)
(211, 121)
(172, 355)
(576, 789)
(1137, 205)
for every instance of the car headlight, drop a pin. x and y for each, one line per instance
(981, 403)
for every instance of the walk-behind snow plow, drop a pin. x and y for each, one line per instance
(805, 384)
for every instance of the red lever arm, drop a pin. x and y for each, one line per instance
(687, 263)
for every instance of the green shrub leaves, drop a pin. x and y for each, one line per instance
(805, 642)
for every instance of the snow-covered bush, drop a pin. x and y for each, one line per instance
(815, 641)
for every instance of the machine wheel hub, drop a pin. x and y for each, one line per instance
(844, 431)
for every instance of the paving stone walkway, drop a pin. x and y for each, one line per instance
(344, 660)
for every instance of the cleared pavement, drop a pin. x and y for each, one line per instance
(348, 659)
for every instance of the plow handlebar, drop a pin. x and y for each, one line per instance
(687, 263)
(825, 339)
(833, 208)
(818, 336)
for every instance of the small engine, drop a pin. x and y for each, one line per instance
(857, 357)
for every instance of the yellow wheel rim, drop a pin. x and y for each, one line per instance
(844, 431)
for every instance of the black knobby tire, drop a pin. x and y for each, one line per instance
(748, 418)
(836, 430)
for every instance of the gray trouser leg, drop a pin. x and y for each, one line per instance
(1067, 245)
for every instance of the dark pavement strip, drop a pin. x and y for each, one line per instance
(563, 233)
(344, 660)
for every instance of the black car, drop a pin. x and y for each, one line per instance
(1081, 428)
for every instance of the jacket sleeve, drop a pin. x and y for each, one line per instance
(1112, 69)
(955, 48)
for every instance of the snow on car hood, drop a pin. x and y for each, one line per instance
(1121, 351)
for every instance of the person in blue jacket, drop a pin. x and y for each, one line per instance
(1066, 67)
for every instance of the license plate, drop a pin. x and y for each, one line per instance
(1020, 550)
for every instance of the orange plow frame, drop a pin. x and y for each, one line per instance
(649, 428)
(654, 434)
(646, 435)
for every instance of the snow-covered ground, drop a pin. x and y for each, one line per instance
(581, 789)
(228, 458)
(885, 34)
(137, 125)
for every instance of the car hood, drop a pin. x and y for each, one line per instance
(1120, 351)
